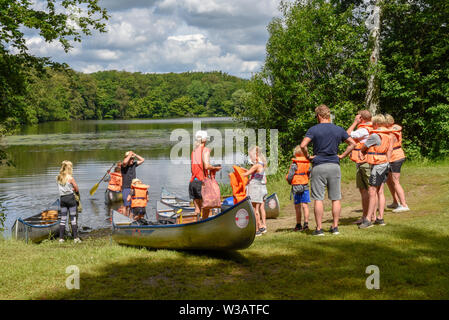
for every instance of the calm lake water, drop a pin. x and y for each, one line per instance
(93, 146)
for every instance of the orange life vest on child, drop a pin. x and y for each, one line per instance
(115, 183)
(139, 197)
(355, 152)
(378, 154)
(397, 153)
(238, 184)
(197, 164)
(301, 174)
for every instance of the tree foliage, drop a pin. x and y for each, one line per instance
(317, 52)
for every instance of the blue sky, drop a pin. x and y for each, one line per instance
(158, 36)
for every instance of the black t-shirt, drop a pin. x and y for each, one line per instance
(128, 174)
(326, 137)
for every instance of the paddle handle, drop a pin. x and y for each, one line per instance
(107, 172)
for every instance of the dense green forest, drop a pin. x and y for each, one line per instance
(319, 52)
(64, 95)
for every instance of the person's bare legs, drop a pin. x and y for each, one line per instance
(365, 201)
(336, 210)
(392, 189)
(372, 191)
(206, 213)
(256, 213)
(399, 191)
(381, 204)
(263, 215)
(298, 213)
(318, 209)
(198, 203)
(305, 209)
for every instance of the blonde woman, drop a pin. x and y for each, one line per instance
(66, 187)
(257, 188)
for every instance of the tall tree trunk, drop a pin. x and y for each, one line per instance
(373, 90)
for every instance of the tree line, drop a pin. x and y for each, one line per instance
(66, 95)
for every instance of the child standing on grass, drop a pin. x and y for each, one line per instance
(298, 178)
(257, 187)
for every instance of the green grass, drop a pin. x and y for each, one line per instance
(411, 252)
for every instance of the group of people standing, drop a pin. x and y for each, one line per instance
(373, 143)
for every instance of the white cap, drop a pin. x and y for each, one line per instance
(201, 135)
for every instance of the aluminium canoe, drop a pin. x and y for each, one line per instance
(111, 197)
(36, 229)
(231, 229)
(272, 206)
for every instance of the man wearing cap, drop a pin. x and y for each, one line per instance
(129, 165)
(200, 163)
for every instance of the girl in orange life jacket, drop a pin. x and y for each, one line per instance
(397, 159)
(115, 181)
(257, 189)
(377, 148)
(139, 199)
(298, 177)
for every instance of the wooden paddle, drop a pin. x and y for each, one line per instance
(95, 187)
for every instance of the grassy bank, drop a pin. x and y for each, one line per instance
(410, 251)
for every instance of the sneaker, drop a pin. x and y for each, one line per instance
(392, 206)
(401, 208)
(334, 230)
(263, 230)
(365, 224)
(380, 222)
(318, 233)
(61, 240)
(258, 233)
(298, 227)
(77, 240)
(306, 226)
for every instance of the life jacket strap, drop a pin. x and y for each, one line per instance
(140, 198)
(396, 148)
(300, 174)
(378, 153)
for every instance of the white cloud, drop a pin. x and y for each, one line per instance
(172, 36)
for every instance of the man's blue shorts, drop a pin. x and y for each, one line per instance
(303, 197)
(125, 193)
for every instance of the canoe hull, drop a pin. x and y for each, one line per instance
(232, 229)
(111, 197)
(272, 208)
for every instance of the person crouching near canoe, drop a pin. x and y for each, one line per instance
(115, 182)
(257, 187)
(200, 166)
(139, 199)
(66, 187)
(397, 159)
(129, 165)
(298, 178)
(376, 151)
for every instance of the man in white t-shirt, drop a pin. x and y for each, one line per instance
(360, 131)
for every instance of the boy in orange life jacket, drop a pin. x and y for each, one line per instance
(139, 198)
(115, 179)
(377, 152)
(298, 177)
(397, 159)
(364, 126)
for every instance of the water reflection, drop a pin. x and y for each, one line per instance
(93, 146)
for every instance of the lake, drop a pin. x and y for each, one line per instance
(93, 146)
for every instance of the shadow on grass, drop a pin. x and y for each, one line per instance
(412, 263)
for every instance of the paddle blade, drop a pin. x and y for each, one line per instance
(179, 211)
(94, 189)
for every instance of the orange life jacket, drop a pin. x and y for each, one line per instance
(238, 184)
(355, 152)
(301, 173)
(378, 154)
(398, 152)
(115, 183)
(139, 197)
(197, 164)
